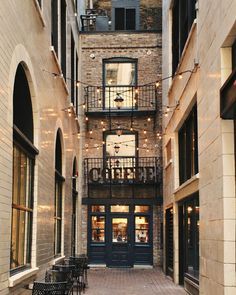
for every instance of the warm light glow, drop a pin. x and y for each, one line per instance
(98, 89)
(144, 132)
(86, 118)
(157, 84)
(91, 131)
(102, 122)
(77, 83)
(103, 129)
(83, 106)
(180, 76)
(149, 119)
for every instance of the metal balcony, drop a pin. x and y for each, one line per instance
(123, 177)
(137, 100)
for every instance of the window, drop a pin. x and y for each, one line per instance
(120, 78)
(183, 15)
(24, 153)
(125, 19)
(63, 37)
(188, 147)
(168, 152)
(22, 208)
(141, 229)
(54, 25)
(73, 68)
(98, 228)
(59, 179)
(119, 209)
(120, 146)
(189, 226)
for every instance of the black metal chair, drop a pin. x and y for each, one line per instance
(79, 273)
(61, 275)
(46, 288)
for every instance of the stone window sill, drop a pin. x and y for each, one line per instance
(58, 259)
(187, 182)
(39, 11)
(18, 278)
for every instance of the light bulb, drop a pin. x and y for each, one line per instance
(149, 119)
(157, 84)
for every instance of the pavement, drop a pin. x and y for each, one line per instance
(130, 281)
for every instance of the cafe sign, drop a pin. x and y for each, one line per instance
(122, 175)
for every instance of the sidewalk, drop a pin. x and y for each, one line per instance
(129, 281)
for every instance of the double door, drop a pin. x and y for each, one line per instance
(120, 245)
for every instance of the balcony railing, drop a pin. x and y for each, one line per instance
(136, 99)
(122, 177)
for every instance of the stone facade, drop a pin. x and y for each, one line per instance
(25, 38)
(207, 50)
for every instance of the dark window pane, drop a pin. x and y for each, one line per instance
(119, 19)
(130, 19)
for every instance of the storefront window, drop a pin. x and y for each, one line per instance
(119, 230)
(98, 229)
(141, 209)
(98, 208)
(141, 229)
(119, 208)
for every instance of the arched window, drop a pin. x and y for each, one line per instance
(23, 173)
(59, 179)
(74, 205)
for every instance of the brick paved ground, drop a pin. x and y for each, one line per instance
(125, 281)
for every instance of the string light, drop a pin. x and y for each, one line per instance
(84, 106)
(91, 131)
(86, 118)
(98, 89)
(157, 84)
(77, 83)
(144, 131)
(149, 119)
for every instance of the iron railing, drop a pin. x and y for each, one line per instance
(127, 174)
(141, 98)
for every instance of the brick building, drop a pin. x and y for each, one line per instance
(121, 144)
(38, 138)
(199, 144)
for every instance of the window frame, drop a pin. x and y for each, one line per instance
(188, 147)
(30, 153)
(183, 16)
(125, 132)
(118, 60)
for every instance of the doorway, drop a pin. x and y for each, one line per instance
(119, 243)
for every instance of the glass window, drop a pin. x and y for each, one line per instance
(122, 74)
(119, 81)
(22, 208)
(58, 197)
(98, 208)
(121, 146)
(141, 229)
(98, 229)
(119, 208)
(188, 147)
(141, 209)
(119, 230)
